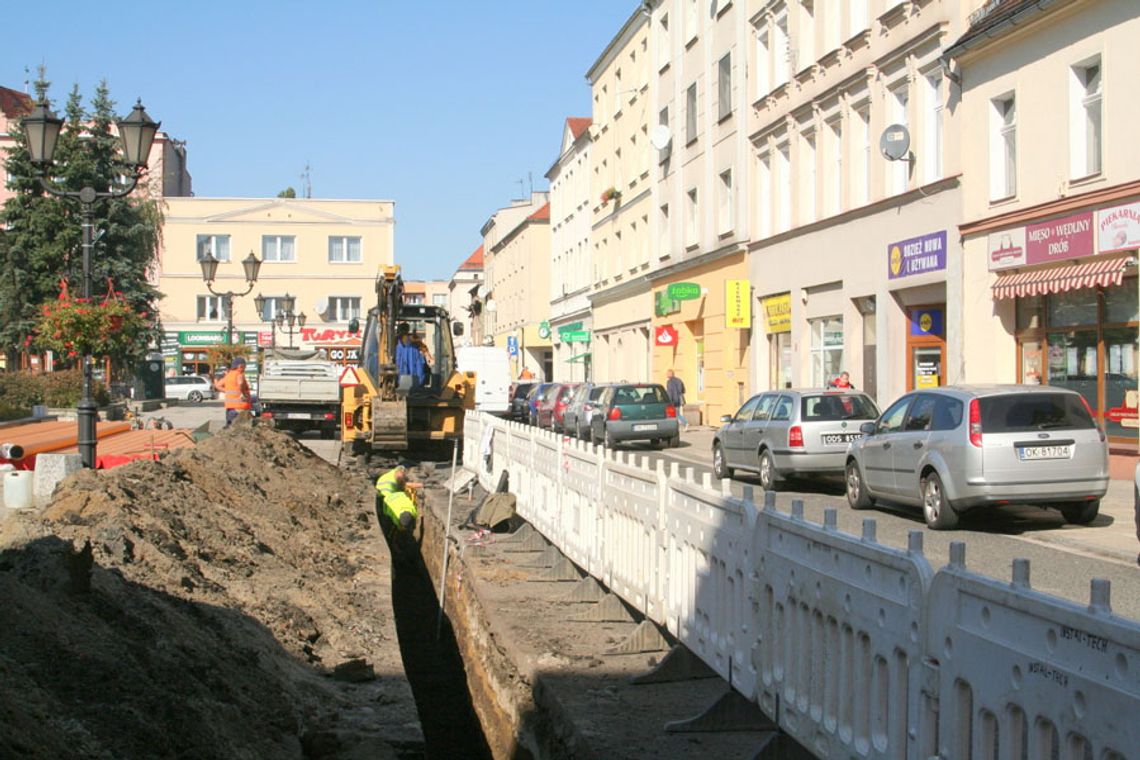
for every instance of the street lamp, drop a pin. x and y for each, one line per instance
(136, 135)
(286, 316)
(250, 264)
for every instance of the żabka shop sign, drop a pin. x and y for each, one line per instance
(1058, 239)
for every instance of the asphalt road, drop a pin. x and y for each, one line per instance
(1063, 558)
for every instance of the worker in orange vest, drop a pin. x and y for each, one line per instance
(235, 390)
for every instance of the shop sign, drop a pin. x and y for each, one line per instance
(926, 253)
(665, 335)
(664, 304)
(213, 338)
(315, 335)
(778, 312)
(737, 304)
(544, 330)
(575, 336)
(264, 338)
(1059, 239)
(684, 291)
(1118, 228)
(573, 326)
(926, 322)
(344, 354)
(1007, 249)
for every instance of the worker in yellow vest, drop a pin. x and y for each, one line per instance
(396, 508)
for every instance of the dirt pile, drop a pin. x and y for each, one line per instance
(231, 600)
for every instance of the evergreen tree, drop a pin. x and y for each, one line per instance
(43, 242)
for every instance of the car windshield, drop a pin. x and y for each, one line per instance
(1021, 412)
(640, 394)
(837, 406)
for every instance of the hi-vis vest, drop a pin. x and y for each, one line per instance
(235, 390)
(396, 499)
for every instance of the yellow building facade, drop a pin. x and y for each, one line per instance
(323, 253)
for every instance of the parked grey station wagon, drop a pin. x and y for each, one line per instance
(960, 447)
(791, 432)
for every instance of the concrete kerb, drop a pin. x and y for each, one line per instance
(50, 470)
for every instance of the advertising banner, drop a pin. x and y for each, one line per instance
(778, 313)
(1059, 239)
(1007, 249)
(926, 253)
(683, 291)
(926, 322)
(737, 304)
(1118, 228)
(665, 335)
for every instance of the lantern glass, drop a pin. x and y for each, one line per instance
(301, 319)
(209, 267)
(259, 304)
(137, 132)
(287, 303)
(252, 265)
(41, 132)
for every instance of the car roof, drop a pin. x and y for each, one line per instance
(994, 389)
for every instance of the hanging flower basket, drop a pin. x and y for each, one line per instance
(611, 194)
(75, 327)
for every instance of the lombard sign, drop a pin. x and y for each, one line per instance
(211, 338)
(1007, 249)
(919, 255)
(1058, 239)
(1118, 228)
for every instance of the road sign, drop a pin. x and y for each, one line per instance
(684, 291)
(512, 345)
(348, 378)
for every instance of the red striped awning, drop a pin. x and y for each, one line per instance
(1084, 274)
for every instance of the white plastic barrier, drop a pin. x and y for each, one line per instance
(520, 450)
(708, 536)
(841, 634)
(581, 505)
(546, 458)
(631, 544)
(1020, 674)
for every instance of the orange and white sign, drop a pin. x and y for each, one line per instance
(348, 378)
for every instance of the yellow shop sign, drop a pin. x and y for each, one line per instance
(737, 304)
(778, 312)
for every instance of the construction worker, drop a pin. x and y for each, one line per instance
(395, 508)
(235, 390)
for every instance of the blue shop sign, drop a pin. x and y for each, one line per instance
(926, 253)
(926, 322)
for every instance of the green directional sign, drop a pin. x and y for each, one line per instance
(572, 327)
(576, 336)
(684, 291)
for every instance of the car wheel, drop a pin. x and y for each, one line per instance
(769, 475)
(675, 441)
(857, 495)
(720, 469)
(936, 508)
(194, 397)
(1081, 513)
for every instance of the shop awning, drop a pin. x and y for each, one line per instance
(578, 358)
(1103, 271)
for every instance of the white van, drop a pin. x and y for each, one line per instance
(492, 368)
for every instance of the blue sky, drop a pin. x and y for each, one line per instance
(440, 106)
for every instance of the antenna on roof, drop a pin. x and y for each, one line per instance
(521, 183)
(27, 79)
(306, 183)
(530, 184)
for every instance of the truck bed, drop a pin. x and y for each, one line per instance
(300, 381)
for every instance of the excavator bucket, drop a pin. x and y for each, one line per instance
(389, 424)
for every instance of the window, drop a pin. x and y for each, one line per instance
(805, 37)
(744, 414)
(897, 101)
(344, 250)
(663, 231)
(832, 22)
(663, 51)
(921, 414)
(947, 413)
(692, 18)
(1085, 120)
(833, 191)
(781, 51)
(783, 409)
(857, 19)
(217, 246)
(764, 194)
(212, 308)
(764, 408)
(344, 308)
(807, 178)
(892, 419)
(663, 119)
(278, 248)
(861, 152)
(724, 203)
(826, 350)
(691, 113)
(763, 68)
(1003, 147)
(439, 299)
(932, 129)
(784, 186)
(724, 87)
(692, 220)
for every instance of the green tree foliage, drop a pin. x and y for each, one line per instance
(288, 192)
(43, 243)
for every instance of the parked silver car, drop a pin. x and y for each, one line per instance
(789, 432)
(192, 388)
(956, 448)
(576, 419)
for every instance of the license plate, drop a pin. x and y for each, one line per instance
(297, 416)
(643, 428)
(1044, 452)
(832, 439)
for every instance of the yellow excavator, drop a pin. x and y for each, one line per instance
(391, 409)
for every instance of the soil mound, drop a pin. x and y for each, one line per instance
(228, 601)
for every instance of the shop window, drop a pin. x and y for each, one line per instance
(1121, 304)
(1072, 309)
(826, 350)
(780, 360)
(1029, 312)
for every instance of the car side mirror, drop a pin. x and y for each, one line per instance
(867, 428)
(456, 328)
(725, 418)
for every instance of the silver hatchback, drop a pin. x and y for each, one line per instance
(956, 448)
(791, 432)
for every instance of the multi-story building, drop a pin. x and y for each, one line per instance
(516, 247)
(465, 299)
(621, 196)
(701, 158)
(571, 215)
(856, 179)
(431, 292)
(1051, 189)
(324, 253)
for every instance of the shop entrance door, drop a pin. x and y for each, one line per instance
(926, 347)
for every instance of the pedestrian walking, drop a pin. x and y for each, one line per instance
(675, 389)
(235, 390)
(843, 382)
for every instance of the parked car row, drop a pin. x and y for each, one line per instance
(947, 450)
(608, 413)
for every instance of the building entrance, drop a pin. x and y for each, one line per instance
(926, 347)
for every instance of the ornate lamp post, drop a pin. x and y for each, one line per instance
(136, 134)
(251, 264)
(286, 317)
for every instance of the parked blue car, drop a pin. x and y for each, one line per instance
(532, 398)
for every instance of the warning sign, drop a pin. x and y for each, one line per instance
(348, 378)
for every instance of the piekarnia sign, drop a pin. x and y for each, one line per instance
(919, 255)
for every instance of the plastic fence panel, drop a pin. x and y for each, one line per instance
(631, 511)
(581, 505)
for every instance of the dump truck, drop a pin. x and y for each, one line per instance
(299, 390)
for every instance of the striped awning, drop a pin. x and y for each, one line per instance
(1103, 271)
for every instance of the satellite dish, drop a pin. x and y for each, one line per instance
(321, 306)
(660, 138)
(895, 142)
